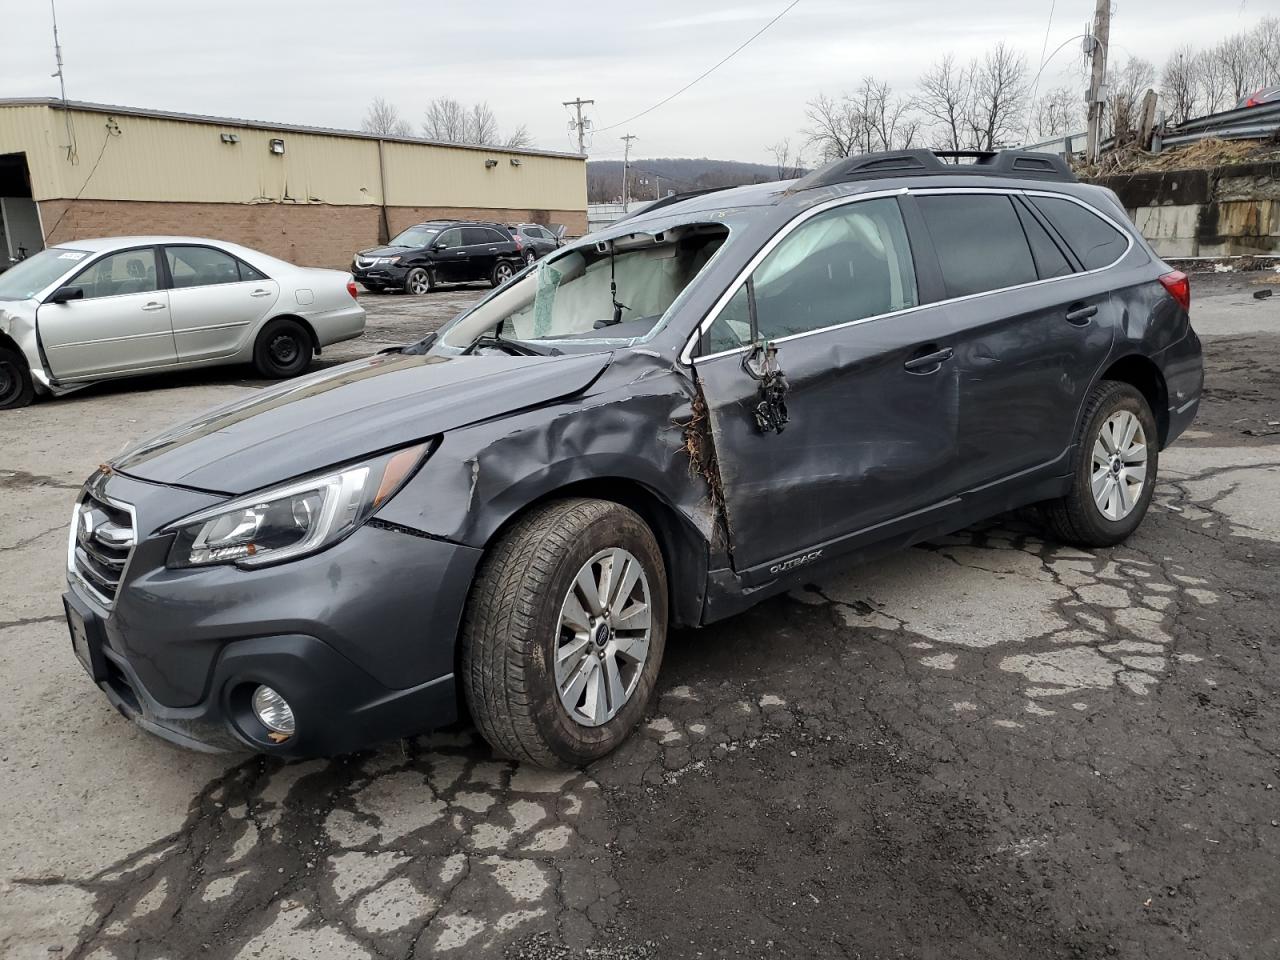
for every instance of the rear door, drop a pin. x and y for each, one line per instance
(120, 325)
(1031, 334)
(871, 391)
(215, 300)
(482, 245)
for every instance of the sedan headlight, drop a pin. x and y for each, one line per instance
(294, 519)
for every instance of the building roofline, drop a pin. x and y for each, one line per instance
(106, 108)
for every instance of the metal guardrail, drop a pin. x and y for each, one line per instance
(1245, 123)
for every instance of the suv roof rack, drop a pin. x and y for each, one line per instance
(668, 201)
(921, 163)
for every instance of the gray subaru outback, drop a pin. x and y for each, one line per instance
(655, 427)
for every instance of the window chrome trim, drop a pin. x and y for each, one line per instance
(686, 355)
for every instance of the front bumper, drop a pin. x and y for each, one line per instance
(359, 638)
(382, 275)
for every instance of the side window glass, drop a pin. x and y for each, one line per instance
(1050, 261)
(201, 267)
(1095, 242)
(133, 271)
(732, 326)
(979, 241)
(474, 235)
(450, 238)
(249, 273)
(493, 236)
(846, 264)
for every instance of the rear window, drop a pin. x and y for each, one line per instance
(1050, 260)
(1094, 241)
(980, 242)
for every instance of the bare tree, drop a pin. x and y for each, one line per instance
(834, 127)
(1211, 82)
(788, 165)
(887, 121)
(1240, 61)
(1128, 86)
(1179, 86)
(946, 98)
(999, 92)
(1058, 112)
(1267, 33)
(449, 121)
(383, 118)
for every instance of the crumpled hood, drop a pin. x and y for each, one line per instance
(384, 251)
(347, 412)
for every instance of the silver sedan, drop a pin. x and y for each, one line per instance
(94, 310)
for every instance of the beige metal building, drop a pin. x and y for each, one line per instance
(305, 194)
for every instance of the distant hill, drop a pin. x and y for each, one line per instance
(604, 177)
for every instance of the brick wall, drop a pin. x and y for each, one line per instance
(316, 235)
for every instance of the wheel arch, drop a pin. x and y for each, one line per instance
(306, 325)
(684, 550)
(1144, 375)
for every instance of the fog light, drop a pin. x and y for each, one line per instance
(274, 712)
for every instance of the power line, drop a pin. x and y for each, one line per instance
(704, 75)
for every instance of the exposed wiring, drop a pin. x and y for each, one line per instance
(704, 74)
(113, 131)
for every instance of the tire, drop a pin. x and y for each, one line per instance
(503, 272)
(283, 349)
(418, 281)
(1080, 518)
(16, 388)
(530, 258)
(514, 628)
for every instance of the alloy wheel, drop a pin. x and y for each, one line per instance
(418, 282)
(603, 641)
(504, 273)
(1119, 471)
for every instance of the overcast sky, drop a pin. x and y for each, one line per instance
(321, 61)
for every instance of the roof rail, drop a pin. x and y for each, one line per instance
(668, 201)
(920, 163)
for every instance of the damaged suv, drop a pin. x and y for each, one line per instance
(654, 427)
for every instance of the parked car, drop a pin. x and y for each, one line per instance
(95, 310)
(440, 251)
(1261, 96)
(656, 427)
(535, 241)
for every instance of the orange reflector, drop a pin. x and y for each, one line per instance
(399, 467)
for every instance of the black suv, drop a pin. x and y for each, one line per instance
(440, 251)
(657, 426)
(535, 240)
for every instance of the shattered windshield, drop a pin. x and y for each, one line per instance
(28, 277)
(612, 290)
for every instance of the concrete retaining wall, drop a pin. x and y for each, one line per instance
(1220, 212)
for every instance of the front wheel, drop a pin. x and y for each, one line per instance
(283, 349)
(564, 632)
(16, 388)
(419, 281)
(502, 273)
(1113, 469)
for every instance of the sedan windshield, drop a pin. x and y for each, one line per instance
(415, 237)
(28, 277)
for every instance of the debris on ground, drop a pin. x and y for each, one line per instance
(1210, 152)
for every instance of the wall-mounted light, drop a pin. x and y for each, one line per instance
(231, 138)
(277, 147)
(490, 164)
(516, 162)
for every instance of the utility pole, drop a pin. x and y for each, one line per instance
(581, 123)
(626, 168)
(1100, 39)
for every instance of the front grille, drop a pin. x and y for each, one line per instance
(101, 544)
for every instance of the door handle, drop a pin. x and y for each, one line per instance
(260, 293)
(929, 362)
(153, 305)
(1080, 315)
(493, 249)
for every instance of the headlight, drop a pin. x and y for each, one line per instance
(294, 519)
(387, 260)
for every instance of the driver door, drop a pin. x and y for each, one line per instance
(871, 396)
(121, 325)
(451, 257)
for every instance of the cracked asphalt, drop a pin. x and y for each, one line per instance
(987, 746)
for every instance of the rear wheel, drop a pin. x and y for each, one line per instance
(283, 349)
(1113, 472)
(502, 273)
(16, 388)
(529, 258)
(418, 281)
(564, 632)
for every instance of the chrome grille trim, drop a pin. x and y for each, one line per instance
(101, 542)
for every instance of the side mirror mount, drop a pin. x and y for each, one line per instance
(63, 294)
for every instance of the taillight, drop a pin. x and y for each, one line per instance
(1179, 286)
(519, 242)
(351, 289)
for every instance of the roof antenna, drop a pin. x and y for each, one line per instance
(72, 154)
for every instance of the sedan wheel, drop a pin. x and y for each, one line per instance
(417, 282)
(16, 388)
(283, 349)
